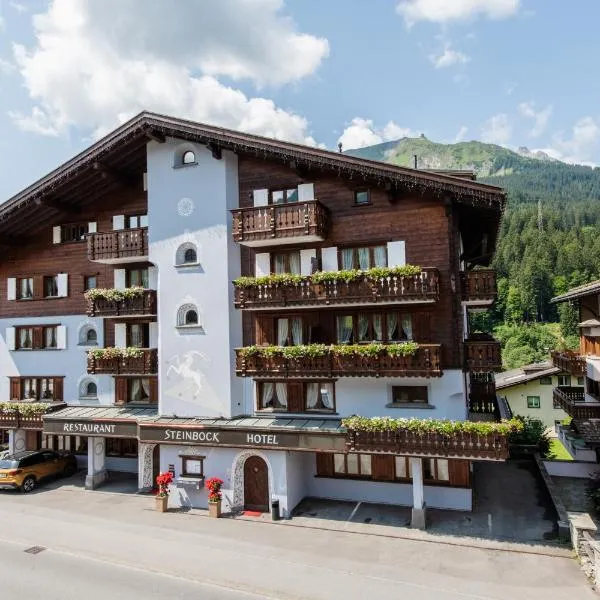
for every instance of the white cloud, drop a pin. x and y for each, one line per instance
(362, 132)
(540, 117)
(6, 66)
(581, 146)
(92, 70)
(448, 58)
(17, 6)
(461, 135)
(497, 130)
(445, 11)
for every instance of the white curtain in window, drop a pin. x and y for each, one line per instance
(327, 395)
(344, 329)
(47, 391)
(378, 327)
(363, 259)
(347, 259)
(267, 395)
(25, 338)
(379, 256)
(296, 331)
(146, 388)
(282, 394)
(392, 323)
(295, 263)
(136, 390)
(312, 395)
(29, 388)
(407, 327)
(279, 264)
(282, 332)
(26, 288)
(50, 341)
(363, 328)
(365, 464)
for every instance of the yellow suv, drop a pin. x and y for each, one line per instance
(24, 470)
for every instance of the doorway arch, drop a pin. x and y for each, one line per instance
(238, 472)
(256, 484)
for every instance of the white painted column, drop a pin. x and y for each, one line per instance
(16, 440)
(418, 520)
(96, 474)
(145, 466)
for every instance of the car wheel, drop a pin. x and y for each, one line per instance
(28, 485)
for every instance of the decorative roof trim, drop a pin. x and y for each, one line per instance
(578, 292)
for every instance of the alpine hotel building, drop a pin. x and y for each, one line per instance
(170, 295)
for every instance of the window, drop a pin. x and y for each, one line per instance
(564, 380)
(352, 464)
(188, 158)
(69, 443)
(413, 394)
(135, 221)
(545, 380)
(593, 388)
(365, 328)
(36, 338)
(138, 335)
(50, 286)
(313, 396)
(90, 282)
(283, 196)
(363, 258)
(186, 254)
(273, 396)
(74, 232)
(435, 469)
(319, 396)
(138, 390)
(192, 466)
(289, 332)
(121, 448)
(362, 197)
(286, 262)
(137, 278)
(581, 381)
(88, 390)
(188, 316)
(88, 336)
(189, 256)
(533, 402)
(25, 288)
(44, 389)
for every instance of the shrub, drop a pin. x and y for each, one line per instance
(532, 433)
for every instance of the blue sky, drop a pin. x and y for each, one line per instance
(513, 72)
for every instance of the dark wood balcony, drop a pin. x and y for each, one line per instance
(572, 401)
(424, 363)
(569, 362)
(479, 287)
(294, 222)
(396, 289)
(482, 354)
(21, 416)
(493, 446)
(145, 364)
(141, 305)
(121, 246)
(483, 402)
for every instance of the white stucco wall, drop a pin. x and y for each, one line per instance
(70, 363)
(192, 204)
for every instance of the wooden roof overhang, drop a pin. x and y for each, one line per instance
(120, 158)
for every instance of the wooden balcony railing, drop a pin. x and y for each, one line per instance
(424, 287)
(13, 418)
(569, 362)
(295, 221)
(118, 246)
(146, 364)
(479, 285)
(424, 363)
(572, 401)
(492, 446)
(482, 354)
(143, 304)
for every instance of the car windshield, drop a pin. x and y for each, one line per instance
(8, 464)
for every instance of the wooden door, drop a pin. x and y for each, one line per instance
(256, 484)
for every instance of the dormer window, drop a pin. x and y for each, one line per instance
(188, 158)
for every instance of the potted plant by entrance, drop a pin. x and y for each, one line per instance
(213, 485)
(163, 480)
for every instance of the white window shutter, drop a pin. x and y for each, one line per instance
(329, 259)
(153, 330)
(10, 338)
(262, 264)
(120, 335)
(306, 260)
(306, 191)
(261, 197)
(61, 337)
(145, 181)
(396, 254)
(92, 227)
(118, 222)
(119, 279)
(63, 284)
(11, 288)
(56, 235)
(153, 278)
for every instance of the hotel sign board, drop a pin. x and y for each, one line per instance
(94, 428)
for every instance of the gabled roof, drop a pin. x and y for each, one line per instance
(579, 292)
(90, 174)
(525, 374)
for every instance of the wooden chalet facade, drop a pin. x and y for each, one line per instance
(175, 273)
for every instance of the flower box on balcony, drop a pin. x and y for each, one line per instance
(130, 302)
(123, 361)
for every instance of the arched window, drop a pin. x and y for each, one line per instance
(188, 158)
(88, 389)
(189, 256)
(91, 389)
(187, 315)
(186, 254)
(88, 336)
(91, 337)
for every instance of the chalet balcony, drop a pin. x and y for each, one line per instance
(569, 362)
(294, 222)
(120, 246)
(483, 402)
(138, 305)
(479, 287)
(572, 401)
(482, 354)
(26, 415)
(460, 444)
(395, 289)
(269, 362)
(115, 361)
